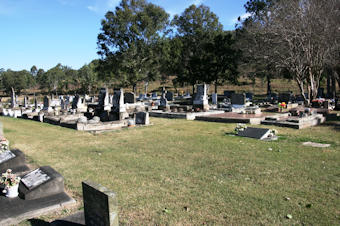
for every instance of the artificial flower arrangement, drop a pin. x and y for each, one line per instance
(4, 144)
(11, 183)
(240, 127)
(282, 105)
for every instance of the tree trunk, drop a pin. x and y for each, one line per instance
(216, 86)
(269, 86)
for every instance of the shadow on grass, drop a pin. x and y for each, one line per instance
(37, 222)
(335, 125)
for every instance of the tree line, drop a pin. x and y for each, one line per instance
(294, 39)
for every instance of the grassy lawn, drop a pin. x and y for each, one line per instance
(195, 170)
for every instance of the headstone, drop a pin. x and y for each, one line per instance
(285, 97)
(25, 101)
(103, 98)
(47, 103)
(169, 96)
(249, 96)
(12, 159)
(100, 205)
(39, 183)
(257, 133)
(321, 93)
(129, 98)
(238, 99)
(154, 96)
(214, 98)
(201, 97)
(62, 104)
(75, 102)
(142, 118)
(13, 100)
(228, 93)
(163, 101)
(35, 104)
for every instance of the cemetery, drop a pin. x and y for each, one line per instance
(174, 115)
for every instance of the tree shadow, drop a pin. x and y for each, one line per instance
(38, 222)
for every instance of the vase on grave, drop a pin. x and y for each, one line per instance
(12, 191)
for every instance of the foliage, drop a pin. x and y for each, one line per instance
(298, 36)
(18, 80)
(128, 41)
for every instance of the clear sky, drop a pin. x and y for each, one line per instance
(47, 32)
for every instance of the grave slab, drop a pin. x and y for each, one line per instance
(257, 133)
(14, 160)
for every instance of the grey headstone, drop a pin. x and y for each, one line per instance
(25, 101)
(214, 98)
(257, 133)
(100, 205)
(238, 99)
(249, 96)
(13, 99)
(129, 98)
(201, 97)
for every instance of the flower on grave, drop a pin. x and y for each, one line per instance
(282, 105)
(240, 127)
(9, 179)
(4, 144)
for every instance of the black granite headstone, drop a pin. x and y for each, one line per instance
(257, 133)
(129, 98)
(238, 98)
(14, 160)
(142, 118)
(100, 205)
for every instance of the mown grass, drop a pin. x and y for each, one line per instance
(195, 170)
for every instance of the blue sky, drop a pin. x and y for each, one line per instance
(47, 32)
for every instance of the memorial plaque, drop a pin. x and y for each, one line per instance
(257, 133)
(238, 98)
(35, 178)
(5, 156)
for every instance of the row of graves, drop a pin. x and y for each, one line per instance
(29, 193)
(109, 112)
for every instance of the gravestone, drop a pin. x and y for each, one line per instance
(238, 99)
(228, 93)
(62, 104)
(13, 159)
(257, 133)
(76, 101)
(100, 205)
(154, 96)
(201, 97)
(41, 182)
(47, 103)
(163, 101)
(321, 93)
(103, 98)
(129, 98)
(13, 99)
(285, 97)
(25, 101)
(35, 104)
(249, 96)
(142, 118)
(118, 105)
(214, 98)
(169, 96)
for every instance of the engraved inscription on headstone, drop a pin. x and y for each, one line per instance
(5, 156)
(257, 133)
(35, 178)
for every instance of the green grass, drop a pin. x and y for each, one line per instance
(195, 170)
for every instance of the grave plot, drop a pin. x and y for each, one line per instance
(198, 107)
(232, 117)
(13, 159)
(295, 122)
(40, 191)
(257, 133)
(100, 208)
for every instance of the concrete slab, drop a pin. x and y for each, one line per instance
(182, 115)
(232, 117)
(15, 210)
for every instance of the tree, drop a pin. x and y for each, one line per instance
(128, 41)
(16, 80)
(88, 78)
(206, 53)
(299, 36)
(53, 78)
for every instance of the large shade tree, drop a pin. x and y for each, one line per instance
(128, 42)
